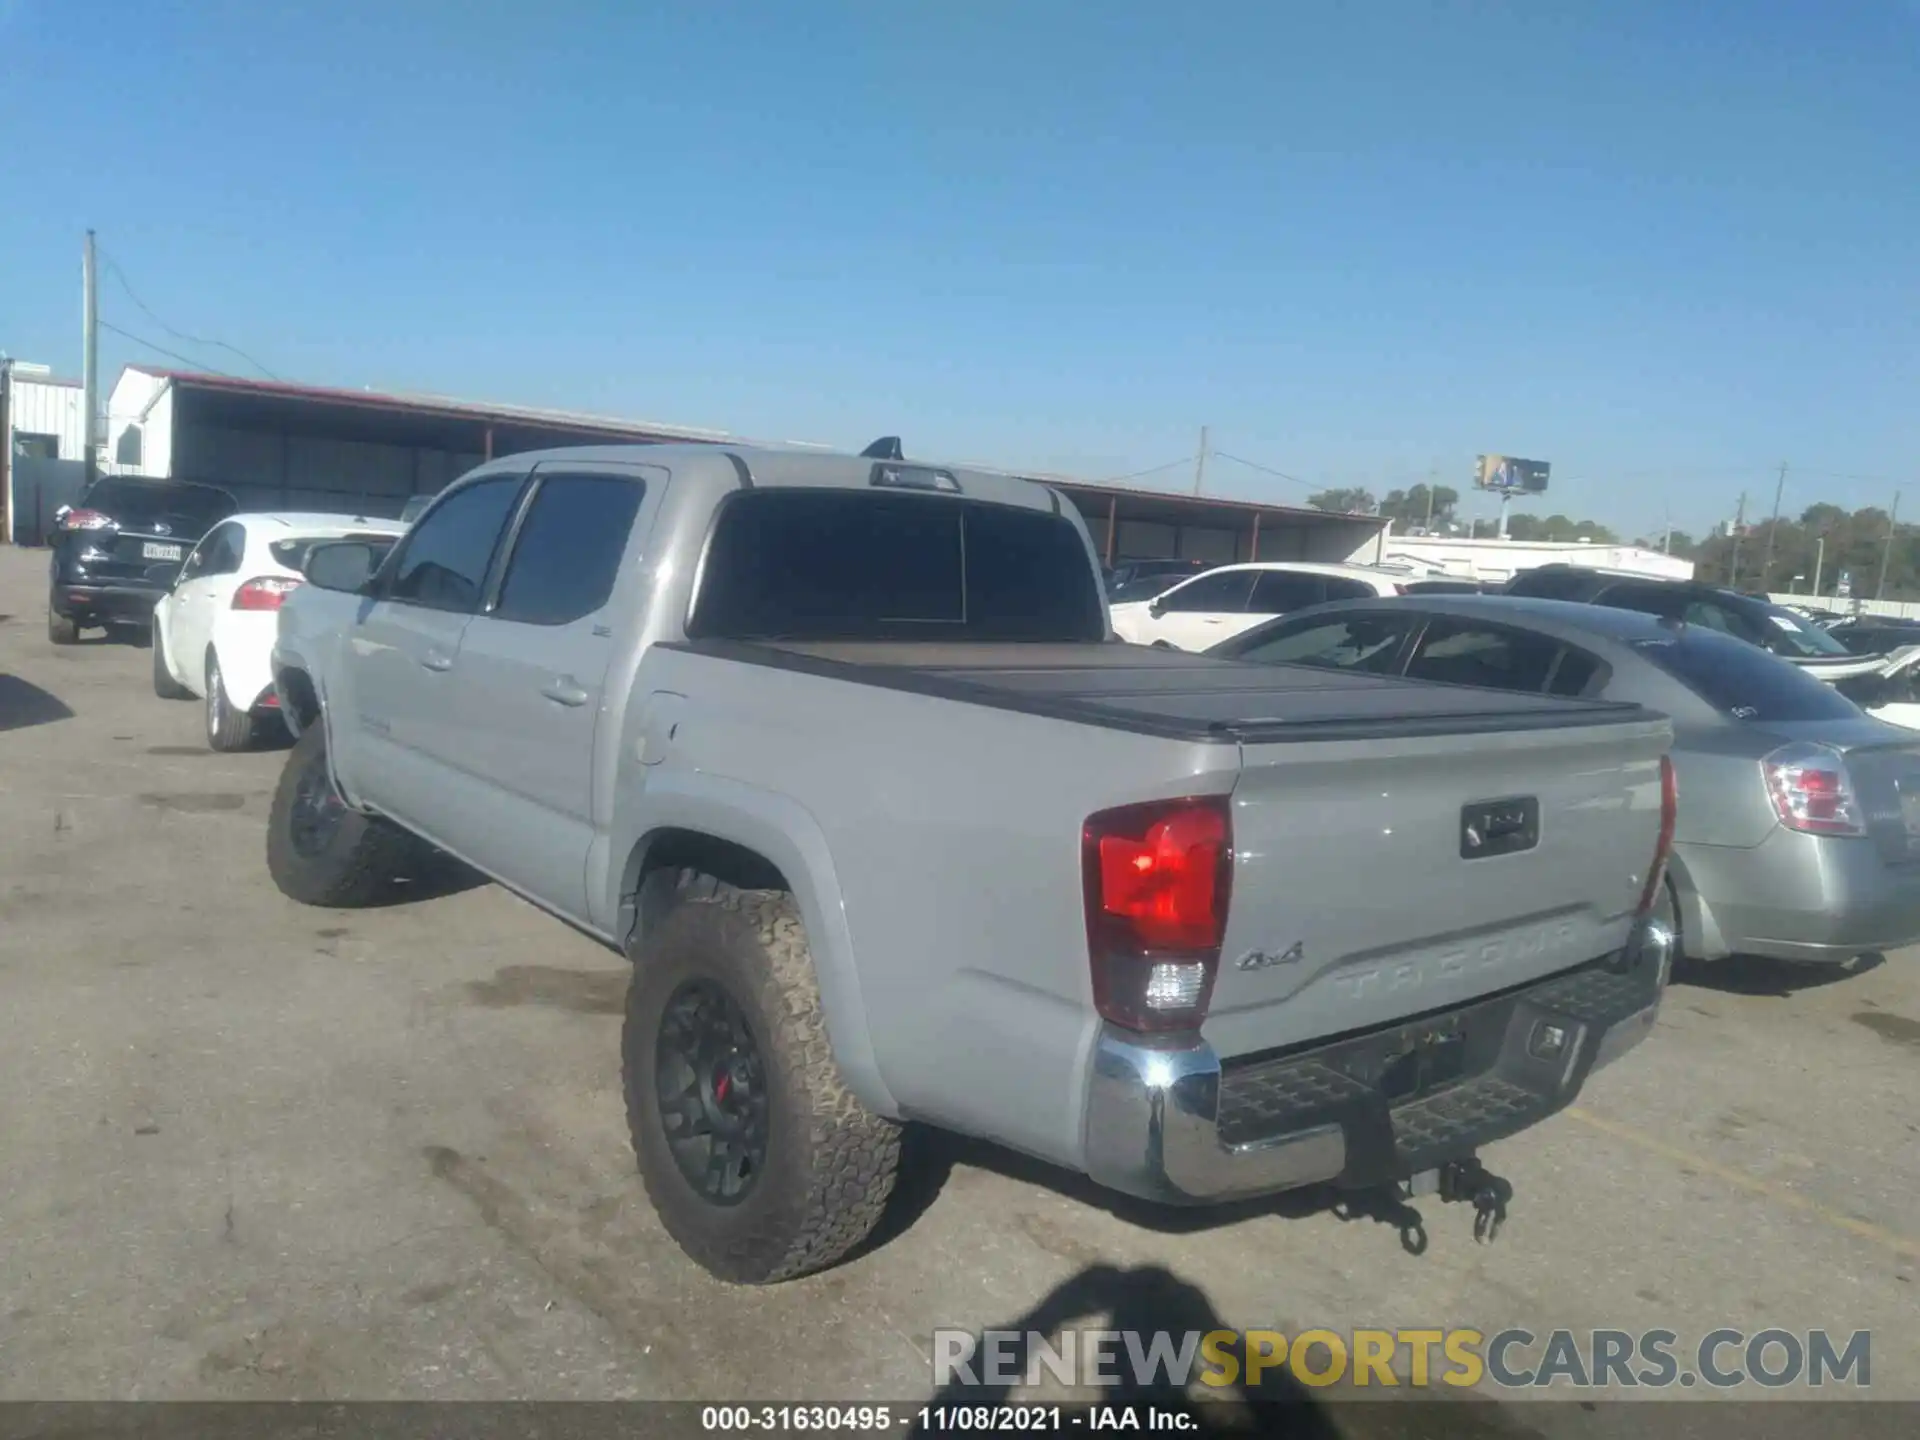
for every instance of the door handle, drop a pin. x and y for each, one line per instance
(564, 690)
(437, 660)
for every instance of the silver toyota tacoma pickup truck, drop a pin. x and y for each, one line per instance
(843, 755)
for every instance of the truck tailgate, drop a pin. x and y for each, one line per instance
(1360, 897)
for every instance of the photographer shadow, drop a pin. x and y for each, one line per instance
(1149, 1299)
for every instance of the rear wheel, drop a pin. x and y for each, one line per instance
(762, 1165)
(228, 728)
(62, 629)
(164, 685)
(319, 851)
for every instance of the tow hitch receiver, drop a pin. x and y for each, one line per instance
(1467, 1180)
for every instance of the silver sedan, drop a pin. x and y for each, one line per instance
(1799, 823)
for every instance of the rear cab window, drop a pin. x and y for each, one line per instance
(1742, 681)
(807, 565)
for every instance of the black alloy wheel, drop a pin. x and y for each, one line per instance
(711, 1084)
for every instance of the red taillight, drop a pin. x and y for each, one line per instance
(85, 520)
(1157, 879)
(1811, 791)
(264, 593)
(1663, 847)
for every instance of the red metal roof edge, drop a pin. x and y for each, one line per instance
(534, 419)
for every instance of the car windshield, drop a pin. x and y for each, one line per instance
(188, 510)
(1742, 681)
(1792, 635)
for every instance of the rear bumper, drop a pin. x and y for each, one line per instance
(118, 601)
(1166, 1121)
(1806, 897)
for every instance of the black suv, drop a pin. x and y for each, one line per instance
(1712, 607)
(117, 551)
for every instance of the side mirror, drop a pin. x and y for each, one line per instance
(163, 574)
(345, 565)
(62, 513)
(1157, 606)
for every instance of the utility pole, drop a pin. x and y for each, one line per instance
(1886, 551)
(1200, 465)
(1819, 560)
(90, 361)
(1739, 525)
(1773, 525)
(1433, 477)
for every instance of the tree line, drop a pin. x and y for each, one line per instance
(1825, 544)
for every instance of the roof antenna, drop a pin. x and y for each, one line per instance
(887, 447)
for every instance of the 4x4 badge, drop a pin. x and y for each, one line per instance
(1261, 960)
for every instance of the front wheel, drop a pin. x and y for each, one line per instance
(762, 1165)
(319, 851)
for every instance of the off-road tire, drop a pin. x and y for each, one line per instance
(164, 685)
(358, 865)
(229, 728)
(830, 1162)
(62, 629)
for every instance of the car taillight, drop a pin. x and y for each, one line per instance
(1157, 878)
(86, 520)
(264, 593)
(1663, 847)
(1811, 791)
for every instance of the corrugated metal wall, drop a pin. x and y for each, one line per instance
(265, 470)
(40, 408)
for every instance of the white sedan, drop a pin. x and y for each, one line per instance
(213, 632)
(1219, 603)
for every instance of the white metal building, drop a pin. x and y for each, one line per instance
(44, 421)
(1499, 560)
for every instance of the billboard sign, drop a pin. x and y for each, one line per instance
(1507, 473)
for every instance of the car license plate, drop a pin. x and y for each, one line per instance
(151, 551)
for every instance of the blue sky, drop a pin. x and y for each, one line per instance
(1663, 246)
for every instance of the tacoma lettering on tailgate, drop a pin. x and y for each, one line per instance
(1450, 962)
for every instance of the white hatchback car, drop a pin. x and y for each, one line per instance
(213, 632)
(1219, 603)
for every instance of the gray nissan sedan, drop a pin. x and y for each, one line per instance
(1799, 824)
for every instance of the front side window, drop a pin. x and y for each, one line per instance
(447, 555)
(1369, 643)
(567, 555)
(1222, 593)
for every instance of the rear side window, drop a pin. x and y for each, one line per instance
(567, 555)
(1744, 681)
(1369, 643)
(447, 555)
(858, 565)
(1464, 652)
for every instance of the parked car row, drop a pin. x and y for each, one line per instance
(176, 561)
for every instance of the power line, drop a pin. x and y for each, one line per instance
(127, 285)
(1265, 470)
(162, 350)
(1184, 460)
